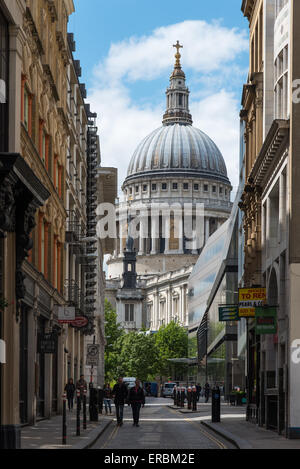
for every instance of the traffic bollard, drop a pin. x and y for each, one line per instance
(178, 397)
(78, 413)
(93, 405)
(84, 409)
(215, 405)
(194, 398)
(182, 397)
(64, 425)
(175, 395)
(189, 397)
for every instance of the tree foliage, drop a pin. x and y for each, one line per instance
(171, 342)
(141, 354)
(138, 355)
(113, 332)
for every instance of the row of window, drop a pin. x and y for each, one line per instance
(44, 139)
(175, 187)
(49, 253)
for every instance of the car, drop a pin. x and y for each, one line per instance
(167, 390)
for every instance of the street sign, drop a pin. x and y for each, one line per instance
(47, 343)
(228, 313)
(249, 299)
(80, 321)
(66, 314)
(92, 354)
(266, 320)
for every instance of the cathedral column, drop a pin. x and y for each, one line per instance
(206, 228)
(181, 235)
(167, 236)
(154, 235)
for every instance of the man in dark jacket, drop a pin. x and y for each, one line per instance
(136, 400)
(119, 393)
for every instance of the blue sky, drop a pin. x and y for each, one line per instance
(125, 49)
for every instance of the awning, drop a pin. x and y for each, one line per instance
(187, 361)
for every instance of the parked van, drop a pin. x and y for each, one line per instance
(167, 390)
(130, 382)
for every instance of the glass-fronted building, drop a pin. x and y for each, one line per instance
(214, 282)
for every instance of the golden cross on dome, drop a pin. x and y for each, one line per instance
(178, 56)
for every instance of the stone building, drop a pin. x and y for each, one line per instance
(49, 253)
(177, 166)
(270, 204)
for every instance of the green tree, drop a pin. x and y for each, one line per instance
(171, 342)
(138, 355)
(113, 332)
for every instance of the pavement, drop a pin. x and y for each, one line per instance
(47, 434)
(234, 428)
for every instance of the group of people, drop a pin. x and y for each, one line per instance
(134, 397)
(70, 389)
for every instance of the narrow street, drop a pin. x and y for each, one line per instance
(160, 428)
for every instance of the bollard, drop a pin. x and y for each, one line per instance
(182, 397)
(178, 397)
(175, 395)
(84, 409)
(194, 398)
(93, 405)
(78, 413)
(189, 397)
(215, 405)
(64, 425)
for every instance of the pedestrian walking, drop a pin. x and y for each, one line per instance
(107, 395)
(198, 388)
(120, 393)
(70, 390)
(81, 385)
(206, 392)
(136, 400)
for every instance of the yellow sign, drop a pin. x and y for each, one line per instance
(249, 299)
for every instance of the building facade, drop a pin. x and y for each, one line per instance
(213, 283)
(50, 255)
(269, 203)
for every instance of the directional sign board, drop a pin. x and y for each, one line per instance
(92, 354)
(249, 299)
(228, 313)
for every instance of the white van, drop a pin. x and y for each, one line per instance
(167, 390)
(130, 382)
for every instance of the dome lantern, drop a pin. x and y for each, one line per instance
(177, 96)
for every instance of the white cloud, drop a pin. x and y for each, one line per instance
(209, 49)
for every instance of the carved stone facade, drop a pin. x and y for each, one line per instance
(270, 203)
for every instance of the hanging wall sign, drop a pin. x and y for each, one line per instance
(249, 299)
(228, 313)
(65, 314)
(79, 322)
(266, 320)
(47, 343)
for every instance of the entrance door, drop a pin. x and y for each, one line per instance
(40, 411)
(23, 370)
(54, 379)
